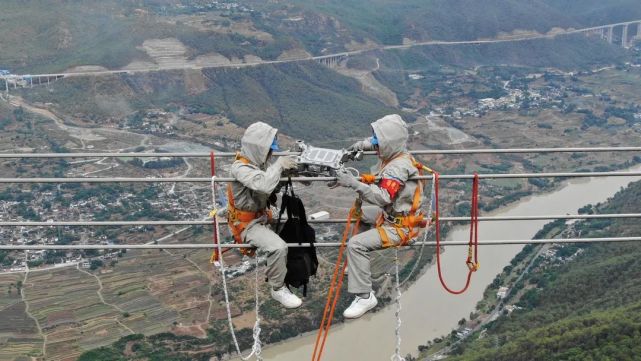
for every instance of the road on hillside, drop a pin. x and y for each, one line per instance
(515, 38)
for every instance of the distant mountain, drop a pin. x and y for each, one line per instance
(389, 21)
(595, 12)
(41, 36)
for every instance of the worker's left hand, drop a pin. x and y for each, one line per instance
(287, 162)
(346, 179)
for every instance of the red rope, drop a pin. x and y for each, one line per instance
(334, 288)
(473, 245)
(474, 226)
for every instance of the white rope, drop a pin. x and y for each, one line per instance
(425, 235)
(257, 346)
(397, 354)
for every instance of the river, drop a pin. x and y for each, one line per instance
(428, 311)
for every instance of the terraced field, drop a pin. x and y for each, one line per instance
(67, 307)
(146, 292)
(18, 333)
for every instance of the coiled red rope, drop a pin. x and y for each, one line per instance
(474, 233)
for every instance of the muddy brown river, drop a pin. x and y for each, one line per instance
(429, 311)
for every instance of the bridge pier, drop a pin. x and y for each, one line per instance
(332, 61)
(610, 34)
(624, 36)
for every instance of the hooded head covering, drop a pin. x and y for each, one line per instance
(257, 142)
(392, 135)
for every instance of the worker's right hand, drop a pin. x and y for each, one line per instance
(360, 146)
(287, 162)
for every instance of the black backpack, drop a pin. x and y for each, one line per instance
(302, 262)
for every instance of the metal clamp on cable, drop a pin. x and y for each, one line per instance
(358, 208)
(473, 267)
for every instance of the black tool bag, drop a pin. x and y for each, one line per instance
(302, 262)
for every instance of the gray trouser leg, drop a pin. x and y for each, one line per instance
(359, 278)
(267, 241)
(370, 214)
(358, 258)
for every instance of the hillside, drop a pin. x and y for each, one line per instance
(584, 309)
(389, 21)
(302, 100)
(133, 34)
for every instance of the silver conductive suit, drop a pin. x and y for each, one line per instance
(248, 209)
(394, 196)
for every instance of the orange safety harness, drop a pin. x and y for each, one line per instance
(407, 226)
(237, 219)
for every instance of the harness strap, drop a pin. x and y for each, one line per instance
(407, 227)
(368, 178)
(238, 220)
(386, 243)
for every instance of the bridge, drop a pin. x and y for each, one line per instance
(630, 33)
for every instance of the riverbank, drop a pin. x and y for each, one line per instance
(428, 311)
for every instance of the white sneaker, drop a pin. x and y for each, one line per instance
(286, 298)
(360, 306)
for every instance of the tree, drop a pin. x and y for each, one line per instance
(95, 264)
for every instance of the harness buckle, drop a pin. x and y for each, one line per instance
(357, 208)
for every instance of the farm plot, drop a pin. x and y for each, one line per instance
(165, 289)
(71, 314)
(18, 333)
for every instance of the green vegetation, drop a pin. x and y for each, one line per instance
(71, 33)
(5, 259)
(389, 21)
(303, 100)
(106, 33)
(110, 33)
(581, 309)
